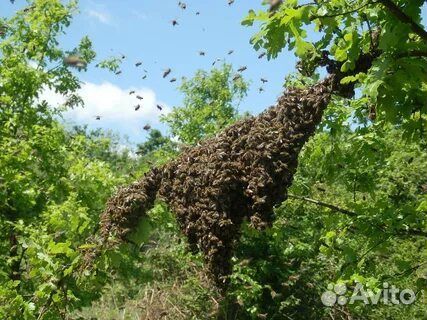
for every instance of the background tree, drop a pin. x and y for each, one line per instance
(210, 103)
(53, 183)
(394, 88)
(356, 211)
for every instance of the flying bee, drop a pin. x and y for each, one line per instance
(237, 77)
(146, 127)
(137, 107)
(263, 80)
(197, 13)
(159, 107)
(144, 77)
(131, 92)
(28, 9)
(166, 72)
(201, 53)
(274, 5)
(75, 61)
(172, 80)
(118, 72)
(97, 117)
(139, 97)
(3, 30)
(182, 5)
(138, 64)
(241, 69)
(260, 89)
(262, 55)
(230, 52)
(215, 61)
(230, 2)
(174, 22)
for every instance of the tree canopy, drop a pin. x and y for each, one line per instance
(356, 212)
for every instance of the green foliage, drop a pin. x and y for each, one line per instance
(369, 176)
(373, 172)
(396, 83)
(53, 182)
(210, 104)
(155, 141)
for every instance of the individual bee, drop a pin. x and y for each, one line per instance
(215, 61)
(201, 53)
(230, 52)
(274, 5)
(237, 77)
(241, 69)
(263, 80)
(97, 117)
(28, 9)
(182, 5)
(75, 61)
(172, 80)
(260, 89)
(262, 55)
(197, 13)
(372, 113)
(146, 127)
(138, 64)
(118, 72)
(230, 2)
(159, 107)
(3, 30)
(139, 97)
(166, 72)
(174, 22)
(144, 77)
(131, 92)
(137, 107)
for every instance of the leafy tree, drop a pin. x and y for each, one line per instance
(358, 191)
(53, 183)
(394, 88)
(210, 103)
(349, 219)
(154, 142)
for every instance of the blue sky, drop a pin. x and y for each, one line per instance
(142, 31)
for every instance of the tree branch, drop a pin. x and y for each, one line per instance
(324, 204)
(337, 14)
(413, 53)
(403, 232)
(404, 18)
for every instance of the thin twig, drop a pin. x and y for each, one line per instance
(413, 53)
(337, 14)
(405, 232)
(324, 204)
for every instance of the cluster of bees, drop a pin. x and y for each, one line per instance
(240, 174)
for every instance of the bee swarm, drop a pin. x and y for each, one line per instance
(241, 173)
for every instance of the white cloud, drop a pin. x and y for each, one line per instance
(101, 16)
(114, 105)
